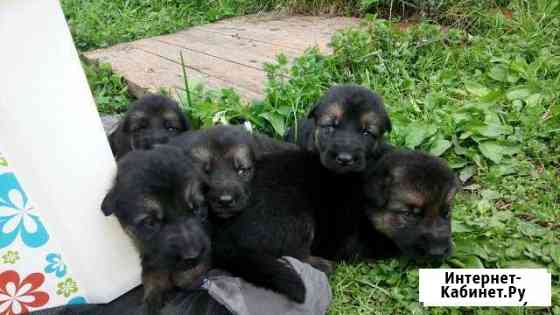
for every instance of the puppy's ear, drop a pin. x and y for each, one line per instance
(313, 110)
(388, 126)
(310, 141)
(379, 107)
(109, 203)
(185, 123)
(194, 197)
(119, 139)
(112, 142)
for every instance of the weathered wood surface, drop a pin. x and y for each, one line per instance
(229, 53)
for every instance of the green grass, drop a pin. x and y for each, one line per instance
(486, 100)
(109, 89)
(101, 23)
(484, 95)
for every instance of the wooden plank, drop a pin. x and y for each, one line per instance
(295, 32)
(239, 50)
(145, 71)
(229, 53)
(224, 70)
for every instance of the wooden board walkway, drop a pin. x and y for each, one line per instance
(229, 53)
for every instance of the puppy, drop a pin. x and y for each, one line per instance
(409, 197)
(153, 119)
(227, 154)
(149, 199)
(345, 128)
(259, 211)
(277, 220)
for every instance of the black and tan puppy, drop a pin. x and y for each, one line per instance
(228, 155)
(259, 211)
(277, 220)
(153, 119)
(149, 199)
(345, 128)
(409, 201)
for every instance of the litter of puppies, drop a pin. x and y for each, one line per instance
(224, 198)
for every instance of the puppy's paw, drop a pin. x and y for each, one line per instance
(154, 303)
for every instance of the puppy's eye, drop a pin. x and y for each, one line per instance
(151, 223)
(445, 212)
(368, 133)
(328, 128)
(187, 263)
(206, 168)
(242, 171)
(141, 125)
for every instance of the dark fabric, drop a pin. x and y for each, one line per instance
(191, 303)
(239, 297)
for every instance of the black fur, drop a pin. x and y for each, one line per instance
(409, 200)
(276, 221)
(228, 155)
(345, 128)
(273, 208)
(151, 120)
(153, 197)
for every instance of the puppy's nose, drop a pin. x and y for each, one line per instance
(161, 140)
(345, 158)
(439, 253)
(226, 200)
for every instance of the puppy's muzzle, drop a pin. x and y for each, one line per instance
(345, 159)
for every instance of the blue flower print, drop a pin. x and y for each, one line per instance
(55, 265)
(77, 300)
(17, 216)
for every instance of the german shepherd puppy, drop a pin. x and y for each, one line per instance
(227, 154)
(409, 198)
(153, 119)
(345, 128)
(149, 197)
(259, 207)
(277, 220)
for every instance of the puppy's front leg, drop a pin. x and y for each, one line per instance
(190, 279)
(156, 285)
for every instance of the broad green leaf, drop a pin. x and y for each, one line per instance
(522, 263)
(466, 173)
(455, 164)
(518, 94)
(465, 135)
(531, 230)
(493, 130)
(457, 147)
(276, 121)
(417, 133)
(490, 194)
(458, 227)
(476, 88)
(554, 61)
(555, 253)
(492, 151)
(534, 99)
(468, 247)
(498, 73)
(502, 170)
(466, 262)
(439, 146)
